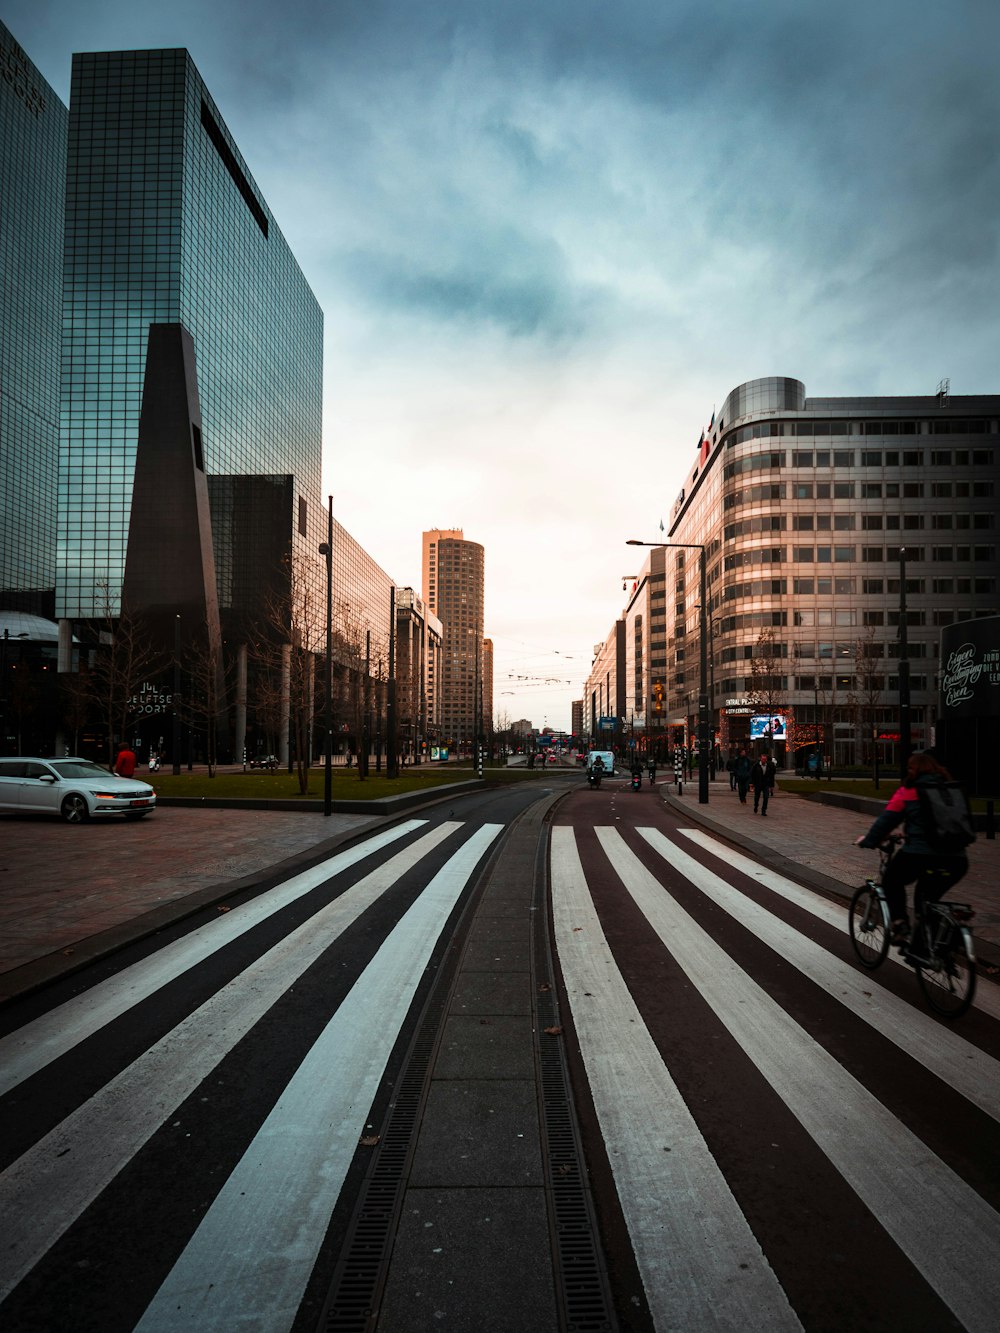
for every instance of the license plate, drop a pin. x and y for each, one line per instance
(143, 802)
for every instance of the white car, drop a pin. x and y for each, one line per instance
(77, 789)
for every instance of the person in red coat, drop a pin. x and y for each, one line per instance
(125, 763)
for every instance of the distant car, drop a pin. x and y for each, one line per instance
(76, 789)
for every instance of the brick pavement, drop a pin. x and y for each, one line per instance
(71, 892)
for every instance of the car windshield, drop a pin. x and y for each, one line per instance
(79, 768)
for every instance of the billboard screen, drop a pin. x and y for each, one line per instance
(768, 727)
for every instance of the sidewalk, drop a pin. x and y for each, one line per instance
(70, 894)
(814, 842)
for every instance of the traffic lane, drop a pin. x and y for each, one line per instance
(798, 1204)
(60, 884)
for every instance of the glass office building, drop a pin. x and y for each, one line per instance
(165, 226)
(32, 181)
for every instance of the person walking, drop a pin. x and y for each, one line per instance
(762, 781)
(731, 770)
(742, 772)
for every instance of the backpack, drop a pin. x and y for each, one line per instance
(946, 817)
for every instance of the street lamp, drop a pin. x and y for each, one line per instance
(703, 727)
(905, 738)
(326, 549)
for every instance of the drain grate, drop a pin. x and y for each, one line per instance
(578, 1260)
(360, 1274)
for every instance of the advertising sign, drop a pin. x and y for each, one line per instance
(768, 727)
(970, 669)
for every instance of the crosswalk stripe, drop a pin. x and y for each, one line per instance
(963, 1066)
(38, 1043)
(46, 1189)
(701, 1265)
(833, 914)
(897, 1177)
(255, 1247)
(987, 998)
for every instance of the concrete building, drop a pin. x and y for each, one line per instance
(419, 642)
(606, 690)
(826, 524)
(454, 585)
(33, 123)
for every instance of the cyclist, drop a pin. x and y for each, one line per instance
(916, 854)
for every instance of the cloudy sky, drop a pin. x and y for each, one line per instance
(549, 236)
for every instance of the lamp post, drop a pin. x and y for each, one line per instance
(326, 549)
(905, 741)
(391, 762)
(703, 723)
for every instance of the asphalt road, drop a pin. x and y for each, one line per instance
(517, 1062)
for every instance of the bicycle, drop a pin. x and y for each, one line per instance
(940, 949)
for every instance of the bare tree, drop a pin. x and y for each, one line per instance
(866, 698)
(766, 690)
(121, 662)
(77, 701)
(203, 703)
(285, 651)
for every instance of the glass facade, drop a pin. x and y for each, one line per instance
(32, 181)
(164, 224)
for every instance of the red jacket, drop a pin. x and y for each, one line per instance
(125, 764)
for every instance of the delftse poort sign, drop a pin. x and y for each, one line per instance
(149, 699)
(970, 670)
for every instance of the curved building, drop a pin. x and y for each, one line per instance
(827, 523)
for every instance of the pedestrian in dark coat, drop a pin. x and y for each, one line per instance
(742, 771)
(762, 781)
(731, 770)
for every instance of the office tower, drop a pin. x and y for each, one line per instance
(487, 687)
(453, 573)
(32, 183)
(192, 355)
(828, 527)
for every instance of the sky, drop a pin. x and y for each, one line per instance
(550, 236)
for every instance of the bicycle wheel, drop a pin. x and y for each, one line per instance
(949, 982)
(869, 923)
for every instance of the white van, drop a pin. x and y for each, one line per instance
(607, 758)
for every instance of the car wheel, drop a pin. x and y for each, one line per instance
(75, 809)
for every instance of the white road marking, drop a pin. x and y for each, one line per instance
(946, 1229)
(250, 1259)
(46, 1189)
(38, 1043)
(701, 1265)
(963, 1066)
(987, 997)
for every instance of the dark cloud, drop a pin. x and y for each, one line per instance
(518, 293)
